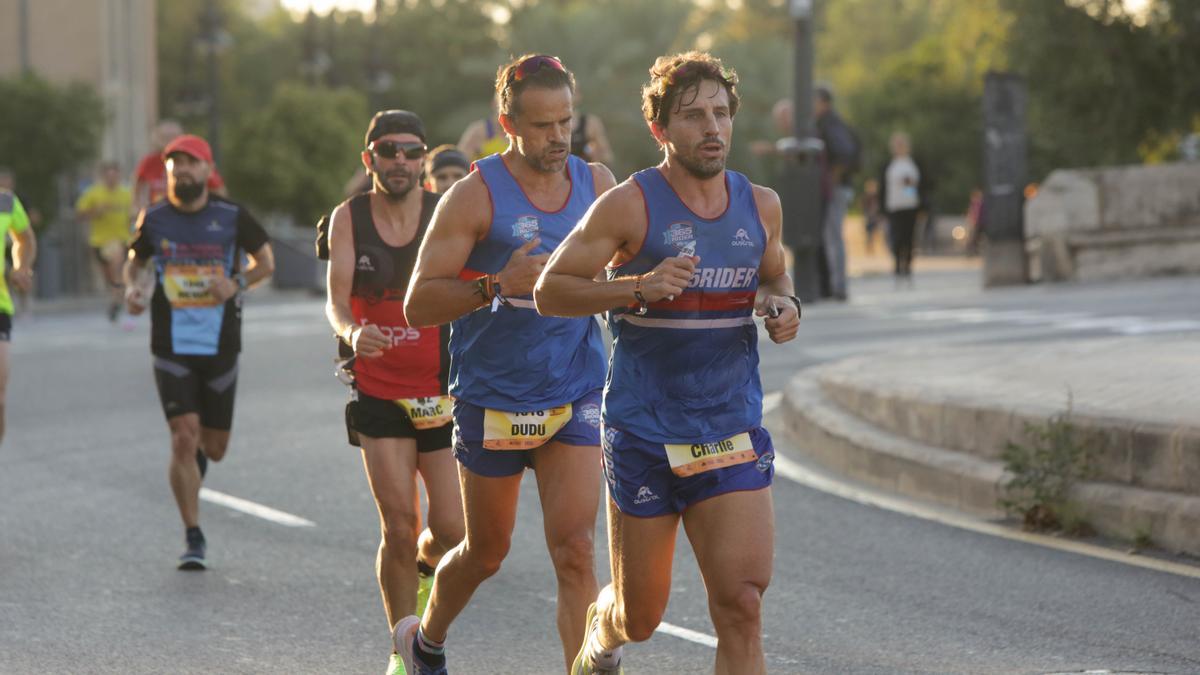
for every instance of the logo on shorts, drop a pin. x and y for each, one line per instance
(364, 264)
(764, 463)
(590, 414)
(682, 236)
(644, 494)
(610, 435)
(526, 228)
(742, 238)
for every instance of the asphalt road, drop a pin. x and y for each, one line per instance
(89, 532)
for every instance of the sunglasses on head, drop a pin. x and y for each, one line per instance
(535, 63)
(393, 149)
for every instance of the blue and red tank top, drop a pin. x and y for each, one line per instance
(416, 364)
(687, 370)
(512, 358)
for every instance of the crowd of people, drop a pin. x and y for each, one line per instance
(463, 285)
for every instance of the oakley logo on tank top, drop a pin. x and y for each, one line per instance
(416, 364)
(513, 358)
(687, 370)
(190, 251)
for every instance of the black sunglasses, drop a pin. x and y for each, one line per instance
(392, 149)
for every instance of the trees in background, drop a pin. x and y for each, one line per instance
(48, 130)
(1106, 85)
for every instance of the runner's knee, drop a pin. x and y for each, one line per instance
(185, 438)
(214, 444)
(485, 560)
(638, 623)
(739, 605)
(400, 529)
(573, 556)
(447, 529)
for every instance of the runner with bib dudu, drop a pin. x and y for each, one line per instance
(692, 253)
(399, 413)
(526, 387)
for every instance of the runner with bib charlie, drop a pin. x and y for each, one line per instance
(526, 387)
(692, 253)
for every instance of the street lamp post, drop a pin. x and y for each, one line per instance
(801, 185)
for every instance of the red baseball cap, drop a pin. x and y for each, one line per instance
(193, 145)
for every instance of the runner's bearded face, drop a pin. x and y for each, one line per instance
(395, 164)
(542, 122)
(186, 176)
(699, 129)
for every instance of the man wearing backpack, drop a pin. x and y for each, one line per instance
(843, 157)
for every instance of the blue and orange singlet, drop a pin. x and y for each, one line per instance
(687, 370)
(512, 358)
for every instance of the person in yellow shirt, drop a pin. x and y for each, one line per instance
(106, 206)
(14, 223)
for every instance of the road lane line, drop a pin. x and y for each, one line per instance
(257, 510)
(799, 474)
(686, 634)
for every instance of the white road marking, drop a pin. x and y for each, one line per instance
(257, 510)
(686, 634)
(798, 473)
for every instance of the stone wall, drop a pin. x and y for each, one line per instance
(1115, 223)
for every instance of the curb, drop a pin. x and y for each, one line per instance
(858, 449)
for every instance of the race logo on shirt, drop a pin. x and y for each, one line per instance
(526, 228)
(682, 236)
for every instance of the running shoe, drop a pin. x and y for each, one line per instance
(396, 665)
(193, 557)
(404, 638)
(584, 666)
(424, 586)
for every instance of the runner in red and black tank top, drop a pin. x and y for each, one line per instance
(417, 363)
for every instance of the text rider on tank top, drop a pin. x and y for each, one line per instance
(512, 358)
(416, 364)
(687, 370)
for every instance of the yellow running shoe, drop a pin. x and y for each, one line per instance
(424, 586)
(583, 665)
(396, 665)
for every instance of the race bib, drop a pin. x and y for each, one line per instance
(427, 413)
(522, 431)
(188, 285)
(691, 459)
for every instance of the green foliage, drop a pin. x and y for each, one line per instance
(1058, 454)
(52, 129)
(294, 155)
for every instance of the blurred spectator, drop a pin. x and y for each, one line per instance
(106, 207)
(872, 212)
(14, 223)
(445, 166)
(150, 177)
(900, 194)
(843, 157)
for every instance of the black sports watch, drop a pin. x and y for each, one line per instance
(796, 301)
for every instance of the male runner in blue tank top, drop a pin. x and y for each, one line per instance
(692, 252)
(526, 387)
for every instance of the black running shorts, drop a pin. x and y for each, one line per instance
(5, 327)
(381, 418)
(198, 384)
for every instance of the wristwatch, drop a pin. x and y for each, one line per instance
(796, 301)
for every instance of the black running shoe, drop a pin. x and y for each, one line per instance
(193, 557)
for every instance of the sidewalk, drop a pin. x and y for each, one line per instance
(933, 424)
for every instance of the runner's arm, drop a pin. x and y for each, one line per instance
(24, 250)
(367, 340)
(436, 295)
(775, 290)
(569, 286)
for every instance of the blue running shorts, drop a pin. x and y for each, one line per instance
(496, 444)
(647, 479)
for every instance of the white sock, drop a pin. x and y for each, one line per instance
(605, 659)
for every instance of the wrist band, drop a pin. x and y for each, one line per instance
(483, 286)
(643, 306)
(495, 291)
